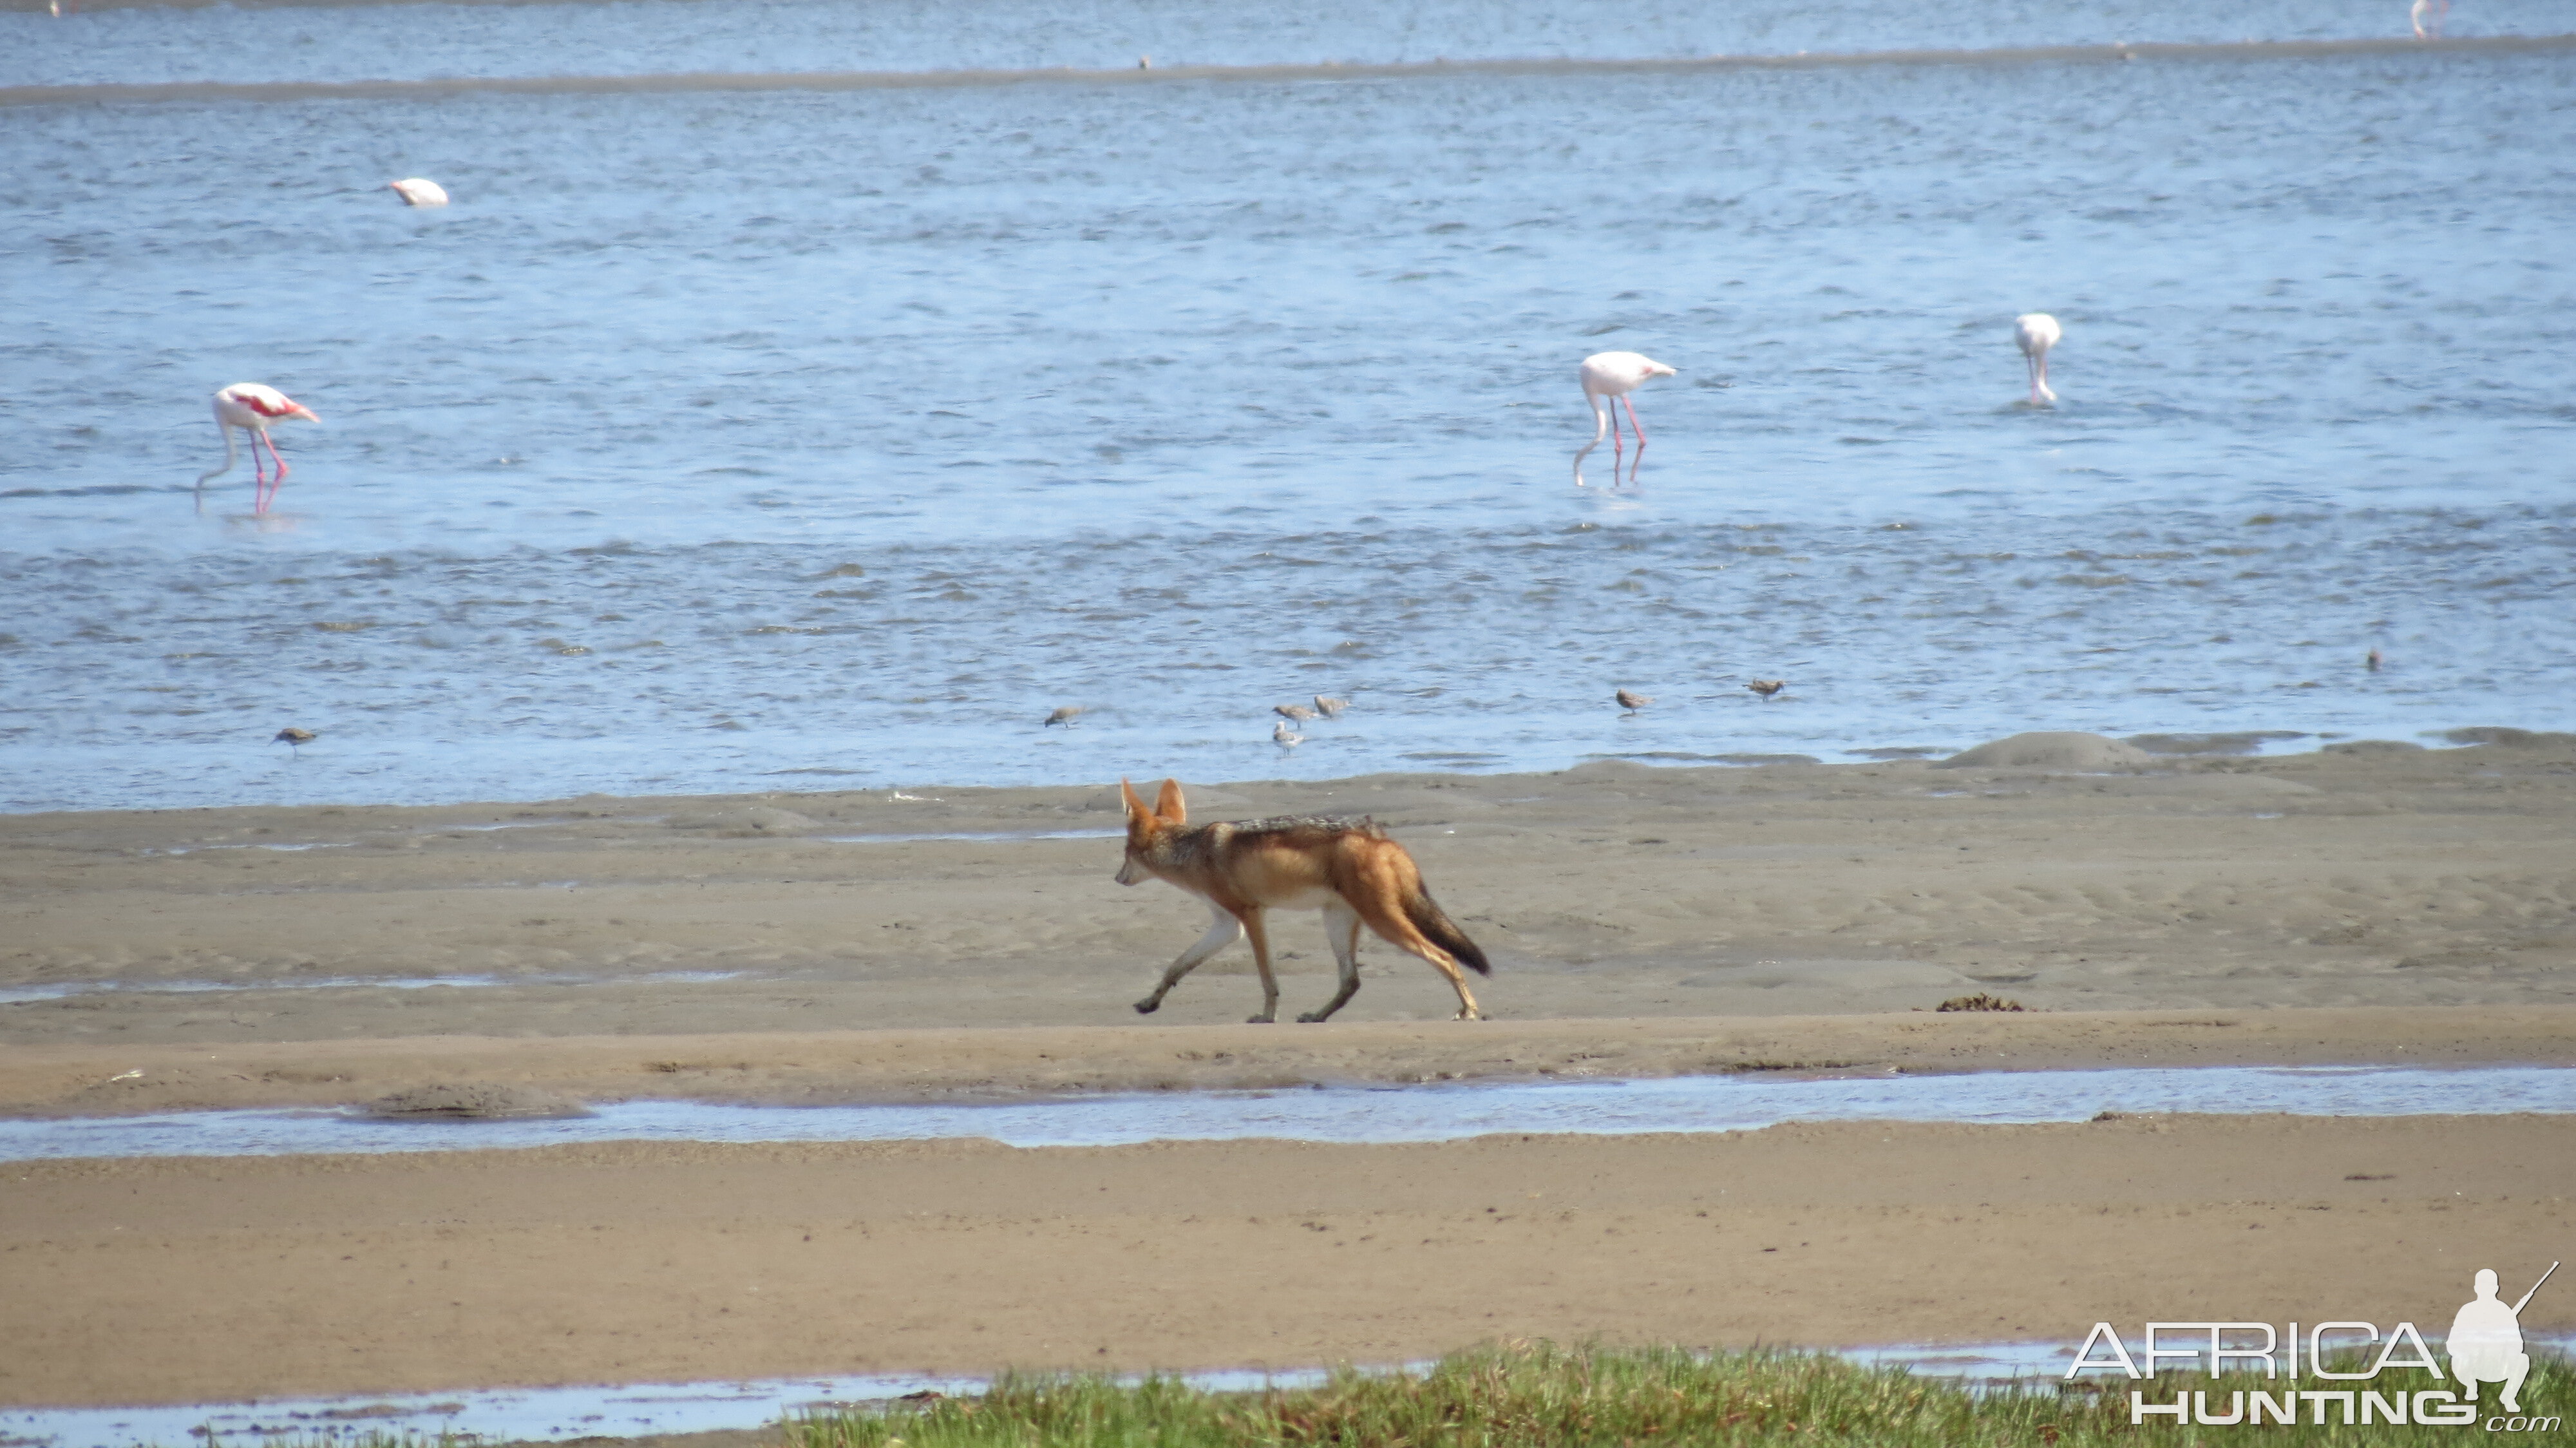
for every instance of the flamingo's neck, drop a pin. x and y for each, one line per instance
(204, 478)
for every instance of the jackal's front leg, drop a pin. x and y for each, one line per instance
(1221, 932)
(1252, 926)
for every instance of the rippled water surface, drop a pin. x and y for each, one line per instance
(109, 43)
(758, 439)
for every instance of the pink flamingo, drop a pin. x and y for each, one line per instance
(1613, 375)
(252, 407)
(2036, 332)
(416, 191)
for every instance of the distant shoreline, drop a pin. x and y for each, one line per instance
(2115, 52)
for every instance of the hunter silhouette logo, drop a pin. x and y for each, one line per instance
(2485, 1346)
(2486, 1341)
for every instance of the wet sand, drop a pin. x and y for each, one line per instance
(2373, 904)
(178, 1281)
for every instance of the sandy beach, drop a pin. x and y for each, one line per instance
(2368, 904)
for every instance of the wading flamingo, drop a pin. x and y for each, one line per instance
(2036, 332)
(2428, 16)
(1608, 378)
(252, 407)
(417, 192)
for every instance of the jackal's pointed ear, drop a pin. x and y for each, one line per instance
(1135, 803)
(1169, 807)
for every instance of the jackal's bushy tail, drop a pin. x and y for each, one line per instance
(1440, 930)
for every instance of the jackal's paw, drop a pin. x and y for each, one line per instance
(1260, 1020)
(1147, 1008)
(1311, 1017)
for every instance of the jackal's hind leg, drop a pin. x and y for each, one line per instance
(1441, 961)
(1220, 933)
(1342, 928)
(1396, 929)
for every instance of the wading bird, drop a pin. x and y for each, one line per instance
(1285, 737)
(2035, 333)
(1294, 713)
(294, 739)
(252, 407)
(1330, 708)
(1631, 701)
(1767, 687)
(1608, 377)
(2427, 16)
(416, 192)
(1064, 716)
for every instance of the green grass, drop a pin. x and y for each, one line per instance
(1538, 1395)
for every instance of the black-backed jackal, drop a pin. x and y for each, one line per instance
(1346, 868)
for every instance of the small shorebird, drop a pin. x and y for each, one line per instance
(416, 192)
(2035, 333)
(294, 739)
(1064, 716)
(2373, 661)
(1631, 701)
(1297, 712)
(252, 408)
(1330, 708)
(1285, 737)
(1609, 377)
(1767, 687)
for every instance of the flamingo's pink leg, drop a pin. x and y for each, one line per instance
(262, 490)
(1641, 437)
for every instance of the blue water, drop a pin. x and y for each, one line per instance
(1357, 1114)
(750, 440)
(109, 45)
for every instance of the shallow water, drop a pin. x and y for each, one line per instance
(749, 441)
(17, 994)
(107, 45)
(1355, 1114)
(981, 836)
